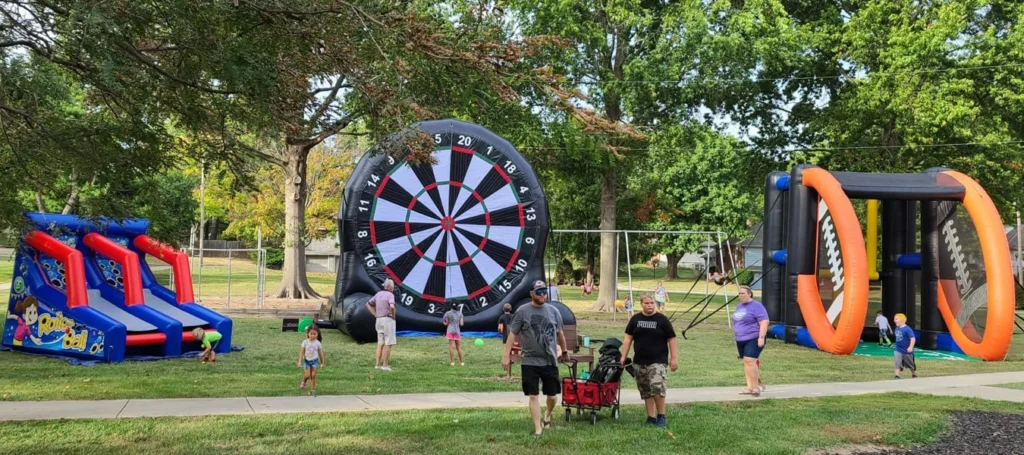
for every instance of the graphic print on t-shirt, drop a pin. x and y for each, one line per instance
(739, 314)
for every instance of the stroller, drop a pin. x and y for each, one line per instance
(600, 390)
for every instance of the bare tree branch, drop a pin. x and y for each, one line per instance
(336, 127)
(156, 67)
(327, 101)
(254, 152)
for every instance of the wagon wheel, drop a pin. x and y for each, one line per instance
(615, 412)
(568, 414)
(593, 417)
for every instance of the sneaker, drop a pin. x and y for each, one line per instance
(652, 421)
(376, 367)
(895, 377)
(385, 368)
(661, 421)
(913, 377)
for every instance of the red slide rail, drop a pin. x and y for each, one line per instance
(145, 339)
(74, 266)
(128, 260)
(178, 262)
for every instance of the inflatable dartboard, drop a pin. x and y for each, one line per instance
(468, 229)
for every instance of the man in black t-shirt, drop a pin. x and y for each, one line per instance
(654, 353)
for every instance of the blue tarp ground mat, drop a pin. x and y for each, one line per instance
(414, 333)
(90, 362)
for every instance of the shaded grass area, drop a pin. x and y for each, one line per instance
(762, 427)
(267, 367)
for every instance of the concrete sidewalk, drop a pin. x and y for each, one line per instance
(976, 386)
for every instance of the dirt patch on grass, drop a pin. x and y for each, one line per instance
(858, 449)
(268, 303)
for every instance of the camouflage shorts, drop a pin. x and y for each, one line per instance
(650, 380)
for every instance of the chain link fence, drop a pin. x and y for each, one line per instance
(230, 276)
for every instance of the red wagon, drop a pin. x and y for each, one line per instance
(588, 395)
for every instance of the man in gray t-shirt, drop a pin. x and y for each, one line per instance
(538, 329)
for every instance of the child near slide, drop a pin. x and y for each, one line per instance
(209, 341)
(311, 359)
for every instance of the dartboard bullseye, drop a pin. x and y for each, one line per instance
(468, 228)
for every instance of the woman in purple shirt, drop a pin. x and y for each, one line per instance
(750, 325)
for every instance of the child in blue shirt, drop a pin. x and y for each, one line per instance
(903, 350)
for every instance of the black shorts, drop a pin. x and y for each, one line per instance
(547, 376)
(749, 348)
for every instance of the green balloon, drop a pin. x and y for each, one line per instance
(305, 323)
(478, 341)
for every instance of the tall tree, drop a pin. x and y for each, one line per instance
(883, 86)
(701, 180)
(64, 150)
(274, 78)
(258, 205)
(644, 65)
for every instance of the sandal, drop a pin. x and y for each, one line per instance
(546, 423)
(747, 392)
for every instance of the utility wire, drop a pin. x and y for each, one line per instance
(802, 78)
(801, 149)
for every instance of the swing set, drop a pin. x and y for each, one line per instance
(715, 254)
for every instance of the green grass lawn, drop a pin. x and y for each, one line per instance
(1016, 385)
(267, 367)
(762, 427)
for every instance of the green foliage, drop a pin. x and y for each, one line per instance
(700, 181)
(564, 273)
(58, 146)
(275, 257)
(744, 277)
(879, 86)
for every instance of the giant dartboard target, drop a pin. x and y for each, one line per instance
(468, 229)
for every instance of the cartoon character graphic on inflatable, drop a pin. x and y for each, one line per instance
(29, 309)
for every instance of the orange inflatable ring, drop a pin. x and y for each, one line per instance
(843, 338)
(999, 278)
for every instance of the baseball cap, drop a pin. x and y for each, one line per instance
(539, 284)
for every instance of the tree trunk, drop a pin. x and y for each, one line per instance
(608, 291)
(294, 284)
(672, 268)
(39, 203)
(69, 206)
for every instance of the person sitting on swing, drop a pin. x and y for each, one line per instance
(718, 278)
(588, 287)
